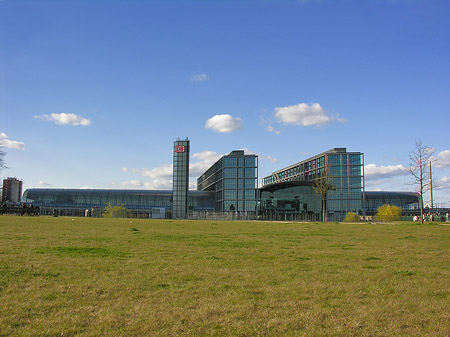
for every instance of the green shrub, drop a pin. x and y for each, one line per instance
(389, 213)
(116, 212)
(351, 217)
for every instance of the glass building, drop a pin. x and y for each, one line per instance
(233, 179)
(141, 203)
(291, 200)
(407, 201)
(180, 178)
(343, 169)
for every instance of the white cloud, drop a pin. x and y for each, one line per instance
(306, 115)
(223, 123)
(374, 172)
(131, 184)
(270, 128)
(64, 118)
(43, 184)
(443, 183)
(199, 77)
(161, 172)
(443, 159)
(158, 184)
(269, 158)
(124, 169)
(206, 159)
(11, 144)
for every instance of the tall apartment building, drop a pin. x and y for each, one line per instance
(12, 190)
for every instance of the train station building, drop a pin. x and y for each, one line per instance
(229, 190)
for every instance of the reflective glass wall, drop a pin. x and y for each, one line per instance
(343, 169)
(180, 178)
(233, 178)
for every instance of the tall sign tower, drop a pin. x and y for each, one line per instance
(180, 178)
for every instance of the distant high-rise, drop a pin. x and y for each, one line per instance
(12, 190)
(180, 178)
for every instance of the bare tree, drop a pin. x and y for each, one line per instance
(321, 186)
(418, 163)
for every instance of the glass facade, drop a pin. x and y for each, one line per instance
(343, 169)
(294, 200)
(233, 178)
(74, 201)
(180, 178)
(408, 201)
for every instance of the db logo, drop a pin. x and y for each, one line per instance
(179, 148)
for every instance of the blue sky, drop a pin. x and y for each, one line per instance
(93, 93)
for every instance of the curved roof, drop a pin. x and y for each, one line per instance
(58, 197)
(392, 194)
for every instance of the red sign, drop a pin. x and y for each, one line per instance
(179, 149)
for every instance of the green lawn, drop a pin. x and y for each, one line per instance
(114, 277)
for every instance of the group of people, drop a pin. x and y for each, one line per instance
(433, 217)
(22, 209)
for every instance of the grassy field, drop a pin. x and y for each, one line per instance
(114, 277)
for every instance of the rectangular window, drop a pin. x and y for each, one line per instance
(230, 161)
(335, 171)
(250, 172)
(250, 161)
(344, 170)
(240, 173)
(355, 170)
(334, 159)
(355, 159)
(250, 205)
(240, 194)
(229, 206)
(229, 194)
(355, 182)
(240, 183)
(230, 183)
(355, 194)
(229, 172)
(250, 194)
(240, 161)
(250, 183)
(336, 182)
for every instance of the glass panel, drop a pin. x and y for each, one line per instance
(250, 194)
(250, 172)
(344, 170)
(333, 159)
(229, 194)
(355, 182)
(230, 183)
(240, 194)
(250, 205)
(250, 161)
(335, 171)
(230, 161)
(355, 170)
(354, 159)
(229, 172)
(240, 183)
(250, 183)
